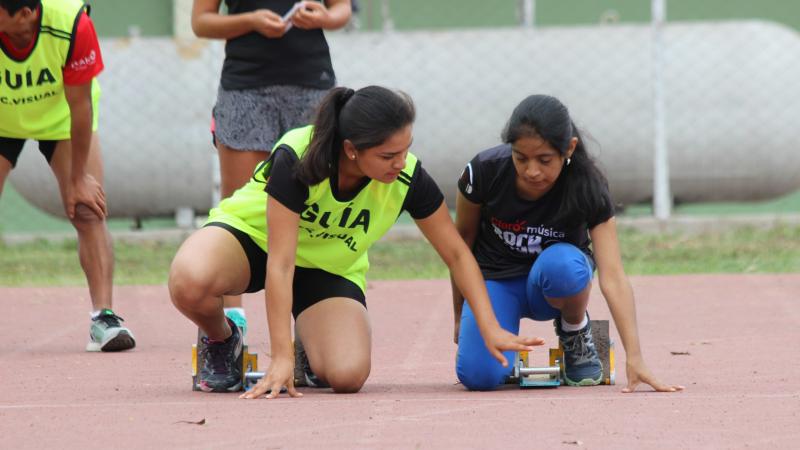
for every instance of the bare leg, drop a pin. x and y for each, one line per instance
(197, 282)
(236, 167)
(5, 169)
(573, 309)
(95, 249)
(336, 336)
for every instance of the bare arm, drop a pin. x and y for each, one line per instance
(334, 14)
(207, 22)
(619, 295)
(84, 188)
(467, 222)
(282, 229)
(438, 228)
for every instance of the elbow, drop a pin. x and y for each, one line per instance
(198, 27)
(197, 30)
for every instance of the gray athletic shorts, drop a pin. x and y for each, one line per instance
(254, 119)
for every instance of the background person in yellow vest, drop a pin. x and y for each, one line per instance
(328, 192)
(49, 60)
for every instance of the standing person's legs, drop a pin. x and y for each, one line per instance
(236, 167)
(558, 288)
(5, 169)
(95, 250)
(10, 148)
(476, 368)
(94, 241)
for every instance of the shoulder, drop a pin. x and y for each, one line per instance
(424, 196)
(494, 155)
(297, 139)
(491, 161)
(482, 173)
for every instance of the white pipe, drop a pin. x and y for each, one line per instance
(662, 197)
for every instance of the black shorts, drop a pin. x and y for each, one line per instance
(10, 148)
(310, 285)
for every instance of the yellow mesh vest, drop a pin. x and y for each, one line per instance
(333, 236)
(32, 102)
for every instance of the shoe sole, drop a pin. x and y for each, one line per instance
(203, 386)
(122, 341)
(586, 381)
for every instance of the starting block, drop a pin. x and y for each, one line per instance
(301, 369)
(248, 361)
(552, 375)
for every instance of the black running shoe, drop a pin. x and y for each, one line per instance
(582, 366)
(303, 376)
(222, 363)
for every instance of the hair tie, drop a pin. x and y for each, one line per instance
(346, 96)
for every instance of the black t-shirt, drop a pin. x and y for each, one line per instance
(514, 231)
(298, 58)
(423, 199)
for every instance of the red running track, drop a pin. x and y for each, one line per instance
(730, 339)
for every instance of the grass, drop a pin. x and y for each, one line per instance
(43, 263)
(746, 250)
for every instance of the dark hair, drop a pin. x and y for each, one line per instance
(585, 188)
(12, 6)
(366, 117)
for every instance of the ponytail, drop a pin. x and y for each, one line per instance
(366, 117)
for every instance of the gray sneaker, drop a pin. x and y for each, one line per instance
(222, 363)
(582, 366)
(106, 334)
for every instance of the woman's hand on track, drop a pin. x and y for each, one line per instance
(279, 375)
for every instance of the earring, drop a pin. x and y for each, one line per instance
(352, 156)
(568, 161)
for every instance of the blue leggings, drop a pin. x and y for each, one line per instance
(561, 270)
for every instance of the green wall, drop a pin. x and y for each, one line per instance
(155, 17)
(410, 14)
(114, 18)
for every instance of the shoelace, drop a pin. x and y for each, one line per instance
(215, 355)
(578, 345)
(111, 320)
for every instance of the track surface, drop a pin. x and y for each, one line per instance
(730, 339)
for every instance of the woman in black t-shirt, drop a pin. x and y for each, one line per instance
(538, 216)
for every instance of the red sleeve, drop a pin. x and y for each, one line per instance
(85, 62)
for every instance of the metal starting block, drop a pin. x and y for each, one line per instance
(248, 361)
(553, 375)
